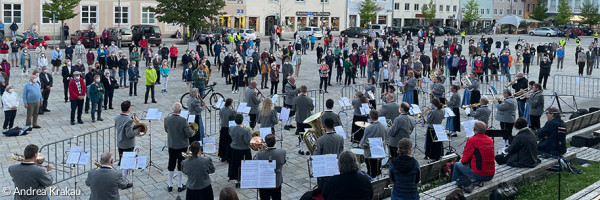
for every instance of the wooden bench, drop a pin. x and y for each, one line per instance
(581, 122)
(433, 171)
(504, 173)
(588, 193)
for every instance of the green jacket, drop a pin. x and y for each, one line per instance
(347, 66)
(196, 77)
(134, 56)
(96, 95)
(150, 76)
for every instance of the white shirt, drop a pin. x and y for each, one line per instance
(9, 100)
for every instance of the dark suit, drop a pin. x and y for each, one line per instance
(29, 175)
(66, 74)
(552, 137)
(45, 83)
(110, 90)
(105, 182)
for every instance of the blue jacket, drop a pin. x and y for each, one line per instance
(133, 72)
(504, 61)
(31, 93)
(560, 53)
(312, 39)
(554, 142)
(405, 174)
(103, 53)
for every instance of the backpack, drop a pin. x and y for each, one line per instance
(464, 183)
(504, 191)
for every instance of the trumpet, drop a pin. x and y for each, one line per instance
(95, 162)
(40, 161)
(424, 113)
(472, 105)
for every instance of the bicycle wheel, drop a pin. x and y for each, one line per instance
(214, 98)
(183, 100)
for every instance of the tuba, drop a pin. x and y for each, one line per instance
(143, 128)
(311, 136)
(195, 128)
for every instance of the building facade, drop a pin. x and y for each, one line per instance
(508, 7)
(101, 13)
(410, 12)
(529, 6)
(575, 5)
(235, 15)
(486, 10)
(384, 16)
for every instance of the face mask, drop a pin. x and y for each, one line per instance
(68, 64)
(151, 67)
(97, 80)
(76, 77)
(11, 90)
(45, 71)
(43, 55)
(36, 80)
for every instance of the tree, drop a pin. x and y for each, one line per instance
(523, 24)
(470, 14)
(589, 11)
(195, 14)
(60, 10)
(429, 11)
(368, 11)
(564, 13)
(539, 12)
(281, 7)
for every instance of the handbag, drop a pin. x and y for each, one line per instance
(464, 183)
(504, 191)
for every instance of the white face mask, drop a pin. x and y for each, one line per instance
(97, 80)
(151, 67)
(37, 79)
(11, 90)
(45, 71)
(77, 77)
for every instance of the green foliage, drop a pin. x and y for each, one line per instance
(61, 9)
(368, 10)
(539, 12)
(471, 14)
(570, 184)
(196, 14)
(523, 24)
(589, 11)
(564, 13)
(429, 11)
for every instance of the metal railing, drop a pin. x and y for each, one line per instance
(500, 84)
(95, 143)
(578, 86)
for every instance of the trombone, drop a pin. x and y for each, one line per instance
(471, 105)
(40, 161)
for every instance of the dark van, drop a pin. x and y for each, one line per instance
(152, 33)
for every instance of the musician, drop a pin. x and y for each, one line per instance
(329, 114)
(278, 156)
(434, 150)
(552, 135)
(536, 105)
(390, 110)
(402, 127)
(440, 73)
(520, 87)
(125, 131)
(351, 183)
(196, 106)
(178, 132)
(252, 101)
(290, 95)
(303, 106)
(240, 148)
(374, 130)
(268, 117)
(370, 92)
(483, 113)
(523, 151)
(330, 143)
(506, 114)
(479, 152)
(410, 89)
(28, 175)
(197, 170)
(357, 132)
(474, 88)
(404, 172)
(106, 181)
(438, 90)
(453, 123)
(390, 90)
(226, 114)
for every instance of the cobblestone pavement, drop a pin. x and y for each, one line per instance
(152, 185)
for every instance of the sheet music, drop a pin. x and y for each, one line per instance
(346, 101)
(129, 154)
(341, 103)
(264, 132)
(340, 131)
(285, 114)
(232, 123)
(371, 95)
(275, 97)
(209, 140)
(153, 114)
(210, 148)
(448, 112)
(468, 126)
(128, 163)
(502, 79)
(191, 118)
(414, 109)
(73, 158)
(399, 83)
(242, 108)
(141, 162)
(220, 103)
(440, 132)
(468, 111)
(382, 120)
(184, 113)
(325, 165)
(258, 174)
(376, 146)
(246, 121)
(364, 109)
(83, 158)
(577, 80)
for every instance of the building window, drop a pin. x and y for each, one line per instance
(324, 1)
(495, 11)
(121, 15)
(488, 11)
(89, 14)
(454, 8)
(396, 6)
(441, 8)
(47, 20)
(416, 6)
(528, 7)
(12, 13)
(299, 0)
(520, 12)
(148, 16)
(482, 11)
(508, 11)
(407, 6)
(448, 8)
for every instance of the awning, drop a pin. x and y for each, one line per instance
(510, 19)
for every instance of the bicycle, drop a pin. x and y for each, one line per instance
(214, 97)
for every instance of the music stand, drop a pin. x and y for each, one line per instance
(156, 116)
(416, 146)
(497, 133)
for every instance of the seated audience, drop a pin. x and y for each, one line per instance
(350, 183)
(479, 152)
(522, 152)
(552, 135)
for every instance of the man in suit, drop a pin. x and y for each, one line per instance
(178, 132)
(278, 156)
(28, 175)
(45, 83)
(290, 92)
(105, 182)
(125, 131)
(329, 114)
(330, 143)
(390, 110)
(518, 85)
(374, 130)
(402, 127)
(77, 91)
(483, 113)
(507, 114)
(67, 75)
(304, 107)
(590, 56)
(252, 101)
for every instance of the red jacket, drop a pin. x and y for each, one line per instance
(73, 91)
(174, 51)
(479, 150)
(144, 44)
(4, 48)
(105, 34)
(478, 66)
(363, 60)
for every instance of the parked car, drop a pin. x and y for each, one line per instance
(152, 33)
(438, 31)
(356, 32)
(448, 30)
(224, 30)
(396, 31)
(126, 35)
(377, 28)
(559, 33)
(310, 30)
(203, 34)
(84, 37)
(543, 31)
(413, 29)
(247, 34)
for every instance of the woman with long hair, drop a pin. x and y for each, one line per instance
(268, 116)
(195, 107)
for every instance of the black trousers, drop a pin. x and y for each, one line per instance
(173, 62)
(76, 105)
(45, 96)
(9, 118)
(544, 77)
(535, 122)
(252, 120)
(224, 143)
(273, 194)
(149, 88)
(509, 127)
(274, 87)
(323, 82)
(201, 194)
(133, 88)
(500, 159)
(66, 90)
(348, 78)
(393, 151)
(109, 98)
(87, 104)
(373, 166)
(175, 158)
(124, 150)
(433, 150)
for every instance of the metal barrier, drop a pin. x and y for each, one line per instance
(95, 143)
(578, 86)
(319, 100)
(500, 84)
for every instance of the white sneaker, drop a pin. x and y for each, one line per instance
(232, 92)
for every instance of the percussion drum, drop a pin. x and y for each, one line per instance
(360, 155)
